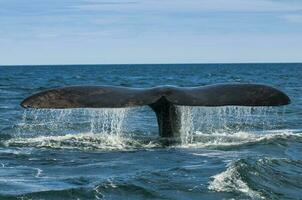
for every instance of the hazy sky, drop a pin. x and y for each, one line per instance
(149, 31)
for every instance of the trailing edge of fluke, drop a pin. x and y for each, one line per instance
(162, 99)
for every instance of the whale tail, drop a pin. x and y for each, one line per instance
(163, 100)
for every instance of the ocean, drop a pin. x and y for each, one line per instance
(228, 152)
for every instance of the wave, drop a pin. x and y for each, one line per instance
(125, 142)
(80, 193)
(84, 141)
(260, 179)
(108, 189)
(226, 141)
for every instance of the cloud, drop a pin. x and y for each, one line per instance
(111, 2)
(197, 5)
(293, 18)
(95, 5)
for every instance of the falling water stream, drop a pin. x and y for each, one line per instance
(226, 121)
(111, 128)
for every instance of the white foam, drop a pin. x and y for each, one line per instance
(231, 181)
(237, 139)
(84, 141)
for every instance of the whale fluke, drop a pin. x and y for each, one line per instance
(162, 99)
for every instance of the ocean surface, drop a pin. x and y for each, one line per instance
(225, 152)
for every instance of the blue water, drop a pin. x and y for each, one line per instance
(226, 152)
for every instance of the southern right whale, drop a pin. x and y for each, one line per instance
(162, 99)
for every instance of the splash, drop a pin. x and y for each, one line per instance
(86, 129)
(73, 128)
(83, 141)
(56, 122)
(113, 128)
(225, 121)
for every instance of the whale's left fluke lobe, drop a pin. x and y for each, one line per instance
(90, 97)
(161, 99)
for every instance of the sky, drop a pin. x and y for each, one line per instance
(149, 31)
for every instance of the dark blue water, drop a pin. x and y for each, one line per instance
(226, 152)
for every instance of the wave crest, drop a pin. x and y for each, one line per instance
(84, 141)
(260, 178)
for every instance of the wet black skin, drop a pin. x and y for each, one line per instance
(163, 99)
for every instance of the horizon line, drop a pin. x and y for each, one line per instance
(112, 64)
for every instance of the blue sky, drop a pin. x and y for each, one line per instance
(149, 31)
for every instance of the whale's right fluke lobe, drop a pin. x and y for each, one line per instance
(162, 100)
(229, 94)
